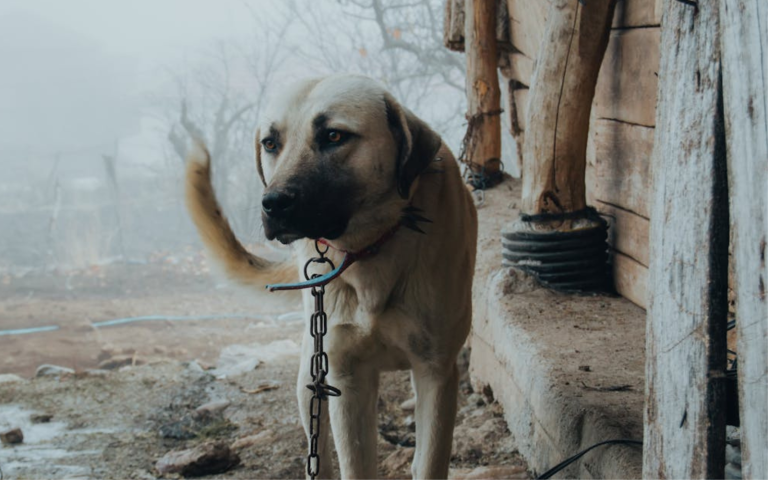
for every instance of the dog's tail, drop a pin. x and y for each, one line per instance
(216, 233)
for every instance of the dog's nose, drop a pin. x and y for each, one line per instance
(278, 203)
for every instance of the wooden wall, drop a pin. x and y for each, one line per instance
(621, 140)
(622, 125)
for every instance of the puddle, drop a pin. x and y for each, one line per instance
(43, 453)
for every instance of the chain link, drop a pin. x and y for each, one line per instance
(318, 368)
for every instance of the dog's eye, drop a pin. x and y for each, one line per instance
(335, 136)
(269, 144)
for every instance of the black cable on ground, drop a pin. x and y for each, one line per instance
(560, 466)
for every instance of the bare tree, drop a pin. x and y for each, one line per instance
(218, 101)
(398, 42)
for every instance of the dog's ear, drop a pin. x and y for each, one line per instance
(417, 144)
(257, 145)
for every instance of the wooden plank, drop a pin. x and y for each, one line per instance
(684, 434)
(454, 20)
(517, 100)
(555, 146)
(453, 25)
(628, 233)
(636, 13)
(521, 104)
(621, 164)
(745, 80)
(626, 88)
(522, 68)
(517, 67)
(659, 9)
(630, 279)
(527, 24)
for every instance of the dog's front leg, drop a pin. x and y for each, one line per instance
(304, 396)
(353, 418)
(436, 396)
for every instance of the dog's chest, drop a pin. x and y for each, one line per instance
(379, 332)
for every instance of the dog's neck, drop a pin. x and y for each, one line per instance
(371, 249)
(348, 259)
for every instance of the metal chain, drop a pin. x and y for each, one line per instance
(318, 327)
(474, 173)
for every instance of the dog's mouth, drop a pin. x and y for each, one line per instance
(281, 233)
(287, 235)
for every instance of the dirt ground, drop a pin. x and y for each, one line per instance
(136, 386)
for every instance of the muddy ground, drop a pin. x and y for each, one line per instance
(118, 420)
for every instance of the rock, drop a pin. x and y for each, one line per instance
(12, 437)
(489, 472)
(195, 367)
(46, 370)
(211, 408)
(470, 441)
(487, 392)
(733, 454)
(183, 429)
(733, 472)
(142, 475)
(119, 361)
(261, 438)
(485, 432)
(10, 378)
(205, 459)
(207, 424)
(396, 437)
(409, 405)
(398, 462)
(237, 359)
(40, 417)
(179, 352)
(205, 365)
(410, 423)
(476, 400)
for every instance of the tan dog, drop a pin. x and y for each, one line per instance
(340, 160)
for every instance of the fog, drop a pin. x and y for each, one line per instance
(97, 99)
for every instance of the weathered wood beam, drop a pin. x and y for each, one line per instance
(483, 147)
(454, 26)
(562, 89)
(685, 340)
(744, 43)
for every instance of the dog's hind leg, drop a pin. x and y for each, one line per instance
(436, 395)
(354, 422)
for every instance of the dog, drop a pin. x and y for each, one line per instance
(341, 160)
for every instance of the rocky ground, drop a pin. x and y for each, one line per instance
(201, 396)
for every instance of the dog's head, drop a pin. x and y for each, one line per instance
(338, 157)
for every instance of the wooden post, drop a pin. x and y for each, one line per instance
(483, 147)
(685, 355)
(744, 42)
(562, 89)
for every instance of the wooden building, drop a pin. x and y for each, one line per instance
(622, 123)
(677, 158)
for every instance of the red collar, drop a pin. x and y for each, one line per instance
(368, 251)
